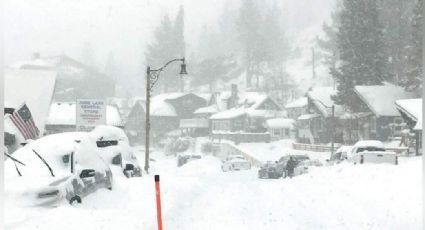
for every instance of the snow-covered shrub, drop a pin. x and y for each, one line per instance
(178, 145)
(206, 147)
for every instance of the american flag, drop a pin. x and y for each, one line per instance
(23, 121)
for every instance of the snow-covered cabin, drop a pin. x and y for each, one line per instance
(281, 128)
(171, 111)
(34, 88)
(315, 126)
(380, 118)
(62, 117)
(296, 108)
(249, 115)
(74, 79)
(411, 112)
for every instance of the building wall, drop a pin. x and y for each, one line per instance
(135, 125)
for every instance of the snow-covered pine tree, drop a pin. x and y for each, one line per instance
(395, 17)
(166, 46)
(363, 56)
(249, 27)
(413, 81)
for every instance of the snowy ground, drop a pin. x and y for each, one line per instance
(200, 196)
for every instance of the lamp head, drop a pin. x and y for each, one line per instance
(183, 68)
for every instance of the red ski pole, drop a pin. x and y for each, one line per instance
(158, 202)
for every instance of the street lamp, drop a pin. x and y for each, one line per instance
(333, 124)
(152, 76)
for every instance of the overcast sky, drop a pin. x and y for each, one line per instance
(124, 27)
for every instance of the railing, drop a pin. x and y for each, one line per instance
(194, 123)
(242, 137)
(314, 148)
(230, 149)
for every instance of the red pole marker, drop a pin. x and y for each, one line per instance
(158, 202)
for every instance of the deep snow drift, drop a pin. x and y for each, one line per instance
(199, 195)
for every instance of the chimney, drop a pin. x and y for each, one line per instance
(35, 56)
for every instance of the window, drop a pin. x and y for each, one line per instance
(276, 132)
(287, 132)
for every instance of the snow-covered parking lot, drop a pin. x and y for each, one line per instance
(199, 195)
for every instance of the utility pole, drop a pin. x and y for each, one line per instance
(333, 131)
(147, 124)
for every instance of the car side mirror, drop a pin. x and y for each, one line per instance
(86, 173)
(276, 162)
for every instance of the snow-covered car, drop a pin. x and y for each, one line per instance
(57, 167)
(340, 154)
(269, 171)
(235, 163)
(372, 151)
(114, 148)
(184, 158)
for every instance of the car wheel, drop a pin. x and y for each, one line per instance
(75, 199)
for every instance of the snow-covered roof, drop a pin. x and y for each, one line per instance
(207, 110)
(260, 113)
(300, 102)
(321, 97)
(381, 98)
(229, 114)
(308, 116)
(161, 108)
(65, 114)
(253, 99)
(413, 109)
(280, 123)
(34, 87)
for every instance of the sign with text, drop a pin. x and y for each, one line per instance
(90, 113)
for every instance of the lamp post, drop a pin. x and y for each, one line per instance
(152, 76)
(333, 124)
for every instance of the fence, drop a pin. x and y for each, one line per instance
(242, 137)
(314, 148)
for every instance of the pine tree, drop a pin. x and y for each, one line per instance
(413, 81)
(395, 17)
(249, 27)
(164, 48)
(328, 44)
(363, 57)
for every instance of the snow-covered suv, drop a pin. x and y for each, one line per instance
(114, 148)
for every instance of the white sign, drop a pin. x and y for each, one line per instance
(90, 113)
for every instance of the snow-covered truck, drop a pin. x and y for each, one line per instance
(371, 151)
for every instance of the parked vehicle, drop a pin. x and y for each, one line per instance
(184, 158)
(114, 148)
(57, 167)
(372, 151)
(269, 171)
(235, 163)
(277, 169)
(340, 154)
